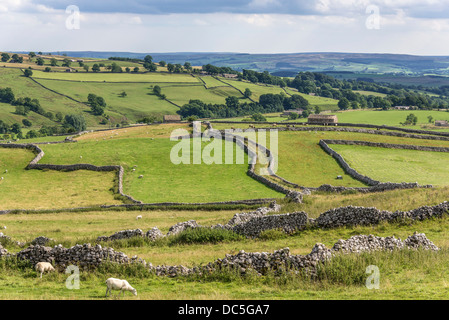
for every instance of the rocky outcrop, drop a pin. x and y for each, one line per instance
(41, 241)
(124, 234)
(182, 226)
(3, 252)
(154, 234)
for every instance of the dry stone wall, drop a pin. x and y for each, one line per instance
(251, 224)
(282, 260)
(85, 256)
(90, 257)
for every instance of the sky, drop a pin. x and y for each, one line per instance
(418, 27)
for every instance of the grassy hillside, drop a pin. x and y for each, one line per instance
(151, 77)
(138, 103)
(50, 101)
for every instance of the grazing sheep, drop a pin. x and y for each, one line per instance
(141, 176)
(138, 217)
(43, 267)
(134, 170)
(117, 284)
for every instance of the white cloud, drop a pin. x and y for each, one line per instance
(337, 26)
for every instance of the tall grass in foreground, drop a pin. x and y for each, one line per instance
(405, 274)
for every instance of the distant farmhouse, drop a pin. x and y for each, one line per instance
(230, 75)
(322, 119)
(402, 108)
(442, 123)
(287, 113)
(172, 118)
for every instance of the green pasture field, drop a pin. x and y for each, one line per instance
(304, 162)
(9, 116)
(139, 102)
(393, 165)
(212, 82)
(36, 189)
(122, 64)
(152, 77)
(324, 103)
(256, 89)
(183, 94)
(392, 117)
(162, 181)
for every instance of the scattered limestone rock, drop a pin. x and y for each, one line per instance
(154, 234)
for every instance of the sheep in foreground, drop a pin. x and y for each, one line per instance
(117, 284)
(44, 267)
(138, 217)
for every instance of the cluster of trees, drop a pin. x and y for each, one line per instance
(262, 77)
(396, 95)
(149, 64)
(410, 120)
(218, 70)
(14, 129)
(15, 58)
(329, 87)
(268, 103)
(71, 124)
(97, 104)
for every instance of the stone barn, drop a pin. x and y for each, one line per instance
(322, 119)
(172, 118)
(442, 123)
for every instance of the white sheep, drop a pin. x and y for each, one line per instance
(43, 267)
(117, 284)
(138, 217)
